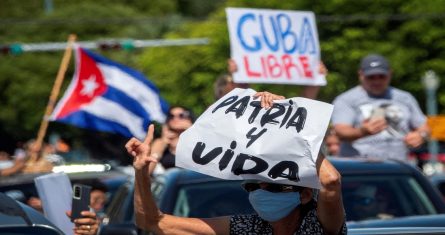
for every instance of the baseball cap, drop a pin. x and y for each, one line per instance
(374, 64)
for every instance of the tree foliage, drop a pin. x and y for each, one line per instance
(408, 32)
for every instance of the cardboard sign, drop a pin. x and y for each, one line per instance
(237, 139)
(274, 46)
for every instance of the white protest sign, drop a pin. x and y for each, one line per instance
(56, 194)
(274, 46)
(237, 139)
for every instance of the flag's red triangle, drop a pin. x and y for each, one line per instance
(90, 84)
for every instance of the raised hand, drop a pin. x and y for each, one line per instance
(267, 98)
(232, 67)
(414, 139)
(140, 150)
(373, 126)
(88, 224)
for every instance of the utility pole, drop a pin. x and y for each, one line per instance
(431, 83)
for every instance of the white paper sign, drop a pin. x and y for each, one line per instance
(274, 46)
(56, 193)
(237, 139)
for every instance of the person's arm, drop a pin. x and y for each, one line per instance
(160, 145)
(310, 92)
(421, 132)
(368, 127)
(19, 165)
(148, 216)
(330, 210)
(418, 136)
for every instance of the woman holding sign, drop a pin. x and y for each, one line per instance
(281, 209)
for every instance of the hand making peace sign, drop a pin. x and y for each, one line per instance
(141, 150)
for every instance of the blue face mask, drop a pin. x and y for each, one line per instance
(273, 206)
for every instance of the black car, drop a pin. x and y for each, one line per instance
(18, 218)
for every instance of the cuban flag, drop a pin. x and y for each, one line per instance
(107, 96)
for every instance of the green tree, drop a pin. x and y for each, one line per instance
(408, 32)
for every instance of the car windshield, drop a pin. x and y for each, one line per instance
(212, 199)
(384, 197)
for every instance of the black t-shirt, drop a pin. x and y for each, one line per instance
(168, 159)
(253, 224)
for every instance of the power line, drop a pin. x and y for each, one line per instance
(143, 20)
(95, 21)
(377, 17)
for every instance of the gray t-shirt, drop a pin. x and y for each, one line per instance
(400, 109)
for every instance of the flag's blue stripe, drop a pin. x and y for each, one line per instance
(134, 73)
(164, 105)
(87, 120)
(128, 103)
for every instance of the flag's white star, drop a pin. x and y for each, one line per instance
(89, 86)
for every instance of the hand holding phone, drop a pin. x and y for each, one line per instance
(378, 113)
(81, 200)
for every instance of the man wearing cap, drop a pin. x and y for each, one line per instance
(374, 119)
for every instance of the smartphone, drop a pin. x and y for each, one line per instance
(378, 113)
(81, 200)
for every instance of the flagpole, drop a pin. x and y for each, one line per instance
(54, 93)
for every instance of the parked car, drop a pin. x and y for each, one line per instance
(375, 189)
(371, 189)
(18, 218)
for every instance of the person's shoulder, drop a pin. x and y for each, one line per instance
(351, 94)
(401, 94)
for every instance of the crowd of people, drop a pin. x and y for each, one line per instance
(372, 119)
(31, 157)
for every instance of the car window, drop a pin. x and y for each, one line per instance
(212, 199)
(383, 197)
(441, 187)
(121, 207)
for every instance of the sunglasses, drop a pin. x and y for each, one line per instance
(183, 115)
(376, 77)
(274, 188)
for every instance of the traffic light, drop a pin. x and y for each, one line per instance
(112, 44)
(109, 45)
(12, 49)
(127, 45)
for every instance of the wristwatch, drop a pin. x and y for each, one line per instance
(425, 135)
